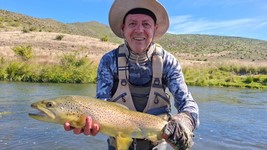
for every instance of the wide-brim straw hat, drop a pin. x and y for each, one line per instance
(120, 8)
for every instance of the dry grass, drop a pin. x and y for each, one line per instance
(48, 50)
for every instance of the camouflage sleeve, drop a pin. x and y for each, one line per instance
(105, 75)
(174, 78)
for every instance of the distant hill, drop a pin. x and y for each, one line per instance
(94, 29)
(14, 21)
(217, 47)
(189, 46)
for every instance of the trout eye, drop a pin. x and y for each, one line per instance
(49, 104)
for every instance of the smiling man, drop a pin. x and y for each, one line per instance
(137, 73)
(138, 30)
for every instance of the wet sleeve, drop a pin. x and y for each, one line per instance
(183, 100)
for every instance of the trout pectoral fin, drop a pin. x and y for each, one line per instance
(123, 143)
(77, 122)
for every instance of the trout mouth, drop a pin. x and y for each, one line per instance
(42, 114)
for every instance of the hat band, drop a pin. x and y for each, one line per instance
(141, 11)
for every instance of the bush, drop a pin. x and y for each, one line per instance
(104, 39)
(24, 51)
(3, 73)
(33, 28)
(72, 60)
(14, 72)
(25, 30)
(264, 81)
(71, 74)
(248, 79)
(14, 24)
(2, 60)
(59, 37)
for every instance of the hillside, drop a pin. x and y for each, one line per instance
(45, 50)
(187, 47)
(94, 29)
(10, 21)
(207, 47)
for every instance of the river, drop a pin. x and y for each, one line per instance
(231, 118)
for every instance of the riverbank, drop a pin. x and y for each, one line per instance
(65, 58)
(227, 75)
(80, 70)
(70, 70)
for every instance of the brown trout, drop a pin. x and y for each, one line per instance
(114, 119)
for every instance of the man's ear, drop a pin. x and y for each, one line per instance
(122, 33)
(156, 26)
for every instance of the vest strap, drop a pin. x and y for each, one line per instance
(157, 100)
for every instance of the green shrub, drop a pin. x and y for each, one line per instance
(59, 37)
(264, 81)
(104, 39)
(14, 71)
(2, 60)
(25, 51)
(53, 74)
(71, 60)
(14, 24)
(33, 28)
(262, 70)
(248, 80)
(19, 71)
(3, 73)
(71, 74)
(25, 30)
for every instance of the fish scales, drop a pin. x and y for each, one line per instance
(114, 119)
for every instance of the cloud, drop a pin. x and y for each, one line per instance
(201, 3)
(190, 25)
(261, 25)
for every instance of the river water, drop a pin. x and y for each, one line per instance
(231, 119)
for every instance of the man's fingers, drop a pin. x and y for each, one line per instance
(88, 126)
(67, 126)
(77, 130)
(95, 129)
(89, 129)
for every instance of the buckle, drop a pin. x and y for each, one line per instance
(123, 82)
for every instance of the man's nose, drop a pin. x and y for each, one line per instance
(139, 28)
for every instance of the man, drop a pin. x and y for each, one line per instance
(137, 73)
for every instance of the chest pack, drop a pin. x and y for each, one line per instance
(152, 99)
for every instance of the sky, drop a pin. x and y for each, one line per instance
(241, 18)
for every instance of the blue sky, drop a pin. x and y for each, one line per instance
(242, 18)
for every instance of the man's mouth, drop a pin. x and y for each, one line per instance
(139, 38)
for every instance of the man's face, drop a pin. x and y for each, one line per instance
(138, 30)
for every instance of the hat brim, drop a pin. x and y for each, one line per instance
(120, 7)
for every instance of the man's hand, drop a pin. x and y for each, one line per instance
(90, 128)
(178, 132)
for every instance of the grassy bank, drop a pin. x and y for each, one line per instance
(227, 76)
(70, 70)
(73, 70)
